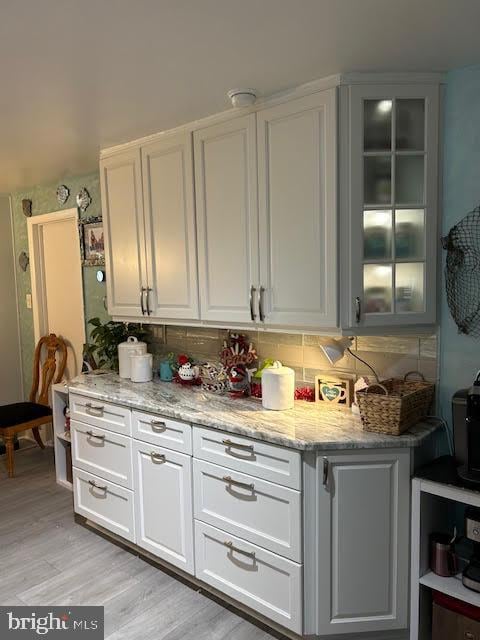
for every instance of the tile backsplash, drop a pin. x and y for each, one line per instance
(388, 355)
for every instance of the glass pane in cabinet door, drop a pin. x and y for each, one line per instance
(377, 235)
(377, 123)
(410, 124)
(409, 287)
(377, 180)
(377, 288)
(410, 234)
(409, 182)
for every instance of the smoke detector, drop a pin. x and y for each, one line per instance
(242, 97)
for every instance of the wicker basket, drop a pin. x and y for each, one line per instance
(394, 405)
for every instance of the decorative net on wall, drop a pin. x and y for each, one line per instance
(462, 273)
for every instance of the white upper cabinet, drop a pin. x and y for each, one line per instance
(168, 193)
(227, 219)
(122, 206)
(297, 204)
(389, 202)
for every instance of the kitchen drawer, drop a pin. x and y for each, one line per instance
(254, 457)
(261, 512)
(255, 577)
(100, 414)
(163, 432)
(105, 503)
(104, 453)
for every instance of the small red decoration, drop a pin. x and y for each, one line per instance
(183, 359)
(256, 389)
(305, 393)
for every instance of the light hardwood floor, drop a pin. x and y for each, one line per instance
(48, 559)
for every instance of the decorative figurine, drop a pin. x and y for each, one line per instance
(239, 382)
(186, 373)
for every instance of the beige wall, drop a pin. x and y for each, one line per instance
(390, 356)
(10, 368)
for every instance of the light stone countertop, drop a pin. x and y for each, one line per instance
(306, 427)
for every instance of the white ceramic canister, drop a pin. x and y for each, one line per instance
(141, 367)
(125, 350)
(278, 387)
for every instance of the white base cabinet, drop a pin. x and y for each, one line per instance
(163, 504)
(316, 542)
(358, 541)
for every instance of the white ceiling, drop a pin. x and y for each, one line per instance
(79, 75)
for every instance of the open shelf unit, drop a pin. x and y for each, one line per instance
(61, 442)
(434, 505)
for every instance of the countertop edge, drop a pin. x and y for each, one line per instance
(407, 440)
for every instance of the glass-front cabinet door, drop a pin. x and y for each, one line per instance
(391, 211)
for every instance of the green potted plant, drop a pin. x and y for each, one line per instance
(105, 339)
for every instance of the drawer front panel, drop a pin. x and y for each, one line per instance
(100, 414)
(104, 453)
(257, 578)
(261, 512)
(254, 457)
(163, 432)
(163, 495)
(105, 503)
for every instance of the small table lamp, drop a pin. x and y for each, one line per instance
(335, 348)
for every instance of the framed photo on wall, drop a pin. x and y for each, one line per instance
(92, 242)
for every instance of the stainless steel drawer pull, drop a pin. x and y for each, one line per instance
(237, 483)
(249, 554)
(97, 486)
(157, 457)
(94, 409)
(158, 425)
(94, 435)
(238, 445)
(261, 311)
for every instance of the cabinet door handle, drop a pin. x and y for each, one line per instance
(237, 483)
(325, 471)
(261, 311)
(94, 410)
(253, 315)
(238, 445)
(142, 306)
(158, 425)
(97, 486)
(157, 457)
(249, 554)
(94, 435)
(147, 297)
(358, 310)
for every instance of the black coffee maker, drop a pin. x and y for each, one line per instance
(466, 422)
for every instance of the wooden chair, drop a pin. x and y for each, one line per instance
(21, 416)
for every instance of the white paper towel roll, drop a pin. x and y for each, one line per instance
(278, 387)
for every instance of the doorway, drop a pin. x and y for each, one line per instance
(57, 285)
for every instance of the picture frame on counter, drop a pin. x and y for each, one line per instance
(92, 242)
(334, 391)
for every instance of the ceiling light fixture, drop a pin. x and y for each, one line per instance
(242, 97)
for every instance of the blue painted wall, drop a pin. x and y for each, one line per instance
(459, 355)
